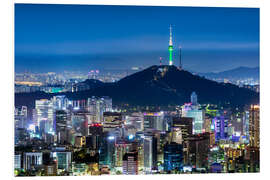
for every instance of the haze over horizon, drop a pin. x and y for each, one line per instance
(82, 37)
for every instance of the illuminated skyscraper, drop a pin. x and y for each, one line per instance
(154, 121)
(194, 98)
(173, 157)
(61, 126)
(198, 119)
(254, 126)
(45, 115)
(221, 127)
(170, 48)
(130, 163)
(97, 106)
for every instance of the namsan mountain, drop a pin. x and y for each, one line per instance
(160, 86)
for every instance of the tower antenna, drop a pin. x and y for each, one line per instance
(180, 57)
(160, 61)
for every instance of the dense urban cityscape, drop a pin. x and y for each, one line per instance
(77, 123)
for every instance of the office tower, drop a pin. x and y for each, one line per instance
(21, 117)
(173, 157)
(32, 160)
(221, 127)
(60, 102)
(94, 138)
(150, 153)
(185, 123)
(61, 126)
(135, 119)
(198, 119)
(98, 106)
(130, 163)
(194, 98)
(186, 126)
(112, 121)
(252, 157)
(45, 115)
(79, 104)
(207, 123)
(170, 48)
(121, 147)
(199, 149)
(107, 150)
(254, 126)
(154, 121)
(80, 120)
(107, 103)
(62, 159)
(246, 123)
(17, 161)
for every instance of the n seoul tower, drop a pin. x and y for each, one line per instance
(170, 48)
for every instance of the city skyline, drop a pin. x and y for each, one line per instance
(152, 113)
(97, 37)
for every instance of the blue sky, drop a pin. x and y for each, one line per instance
(83, 37)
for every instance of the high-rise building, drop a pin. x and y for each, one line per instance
(154, 121)
(45, 115)
(130, 163)
(254, 126)
(61, 126)
(17, 161)
(98, 106)
(194, 98)
(221, 127)
(32, 160)
(135, 119)
(80, 121)
(199, 149)
(60, 102)
(21, 117)
(246, 124)
(107, 150)
(173, 157)
(111, 121)
(185, 123)
(121, 147)
(207, 123)
(63, 159)
(150, 153)
(170, 48)
(198, 119)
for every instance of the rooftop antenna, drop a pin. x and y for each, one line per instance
(180, 57)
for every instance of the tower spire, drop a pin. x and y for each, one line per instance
(170, 48)
(170, 42)
(180, 57)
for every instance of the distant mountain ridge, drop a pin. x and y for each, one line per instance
(240, 72)
(162, 86)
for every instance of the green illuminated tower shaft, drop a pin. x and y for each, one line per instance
(170, 48)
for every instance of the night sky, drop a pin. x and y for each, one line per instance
(84, 37)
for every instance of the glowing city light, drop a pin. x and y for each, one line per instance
(130, 137)
(111, 138)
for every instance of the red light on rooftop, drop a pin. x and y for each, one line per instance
(96, 125)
